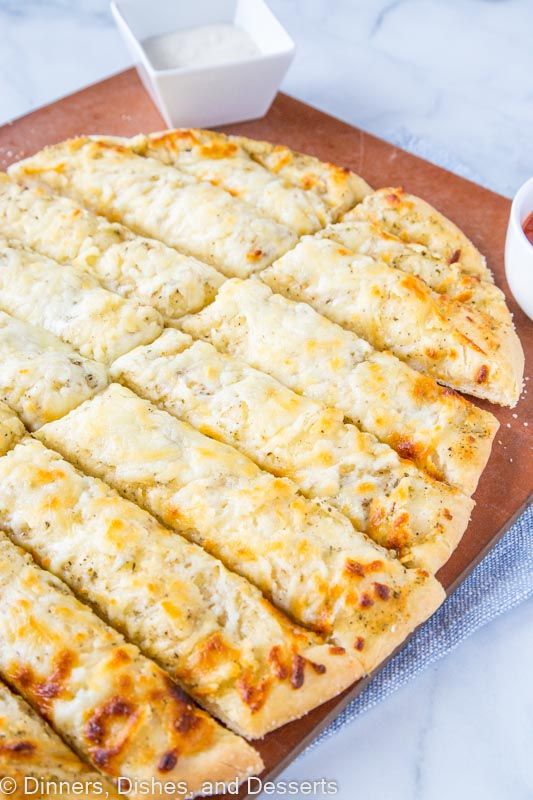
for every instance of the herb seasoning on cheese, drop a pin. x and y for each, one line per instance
(204, 46)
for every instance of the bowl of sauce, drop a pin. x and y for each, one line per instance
(527, 227)
(519, 248)
(208, 62)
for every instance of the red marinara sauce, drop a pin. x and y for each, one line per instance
(528, 227)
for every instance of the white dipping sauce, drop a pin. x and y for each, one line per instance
(205, 46)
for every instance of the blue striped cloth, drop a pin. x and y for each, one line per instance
(500, 582)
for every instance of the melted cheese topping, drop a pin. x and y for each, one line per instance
(211, 156)
(209, 628)
(117, 708)
(30, 748)
(72, 305)
(394, 310)
(371, 239)
(129, 265)
(11, 428)
(298, 552)
(302, 439)
(338, 187)
(414, 220)
(160, 201)
(42, 378)
(443, 433)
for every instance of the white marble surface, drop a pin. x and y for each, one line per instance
(451, 81)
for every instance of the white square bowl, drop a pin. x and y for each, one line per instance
(205, 96)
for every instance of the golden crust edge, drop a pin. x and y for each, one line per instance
(285, 704)
(433, 553)
(231, 759)
(422, 601)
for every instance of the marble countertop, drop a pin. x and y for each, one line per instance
(450, 81)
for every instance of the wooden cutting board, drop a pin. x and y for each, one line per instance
(120, 106)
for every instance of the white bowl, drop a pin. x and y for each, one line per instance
(519, 251)
(204, 96)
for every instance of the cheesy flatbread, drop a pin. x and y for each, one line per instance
(444, 434)
(71, 304)
(299, 438)
(157, 200)
(213, 157)
(370, 238)
(209, 628)
(337, 186)
(120, 711)
(395, 310)
(130, 265)
(41, 377)
(11, 428)
(413, 220)
(30, 749)
(307, 558)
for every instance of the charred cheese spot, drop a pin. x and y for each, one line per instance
(168, 761)
(252, 693)
(297, 671)
(18, 748)
(382, 591)
(455, 256)
(44, 691)
(97, 727)
(365, 600)
(406, 448)
(359, 643)
(339, 174)
(482, 374)
(187, 721)
(354, 568)
(320, 669)
(254, 255)
(280, 669)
